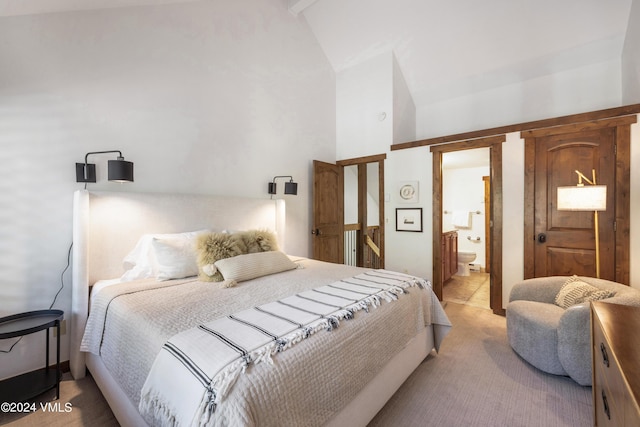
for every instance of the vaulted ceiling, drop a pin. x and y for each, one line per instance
(445, 49)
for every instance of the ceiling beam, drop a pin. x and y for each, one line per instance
(297, 6)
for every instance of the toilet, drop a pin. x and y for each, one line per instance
(464, 258)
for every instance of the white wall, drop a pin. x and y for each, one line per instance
(364, 105)
(512, 213)
(363, 92)
(404, 110)
(631, 58)
(205, 97)
(584, 89)
(409, 252)
(351, 194)
(463, 190)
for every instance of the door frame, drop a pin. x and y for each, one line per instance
(487, 223)
(494, 143)
(361, 163)
(622, 188)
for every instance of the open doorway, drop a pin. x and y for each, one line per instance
(466, 200)
(363, 228)
(494, 144)
(348, 211)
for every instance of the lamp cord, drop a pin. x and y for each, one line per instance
(62, 276)
(54, 298)
(11, 348)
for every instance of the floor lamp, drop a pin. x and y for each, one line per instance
(592, 197)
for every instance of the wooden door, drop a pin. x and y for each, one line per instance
(328, 212)
(565, 240)
(595, 152)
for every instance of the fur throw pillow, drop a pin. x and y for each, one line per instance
(212, 247)
(254, 241)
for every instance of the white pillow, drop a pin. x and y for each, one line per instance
(141, 262)
(138, 264)
(250, 266)
(175, 257)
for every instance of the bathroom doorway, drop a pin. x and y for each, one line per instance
(494, 211)
(466, 201)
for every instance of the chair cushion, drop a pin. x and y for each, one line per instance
(532, 332)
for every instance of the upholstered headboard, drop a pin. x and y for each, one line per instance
(107, 225)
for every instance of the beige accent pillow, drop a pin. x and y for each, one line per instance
(575, 291)
(216, 246)
(251, 266)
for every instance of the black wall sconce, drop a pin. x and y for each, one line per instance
(119, 170)
(289, 187)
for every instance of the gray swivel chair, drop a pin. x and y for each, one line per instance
(557, 340)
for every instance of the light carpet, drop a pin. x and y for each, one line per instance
(477, 380)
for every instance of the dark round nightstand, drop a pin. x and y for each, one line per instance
(31, 384)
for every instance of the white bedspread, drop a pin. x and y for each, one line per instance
(306, 385)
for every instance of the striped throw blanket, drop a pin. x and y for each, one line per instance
(210, 357)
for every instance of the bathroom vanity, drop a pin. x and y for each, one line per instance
(449, 254)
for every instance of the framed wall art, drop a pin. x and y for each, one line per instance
(409, 219)
(408, 192)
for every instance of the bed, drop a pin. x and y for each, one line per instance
(341, 377)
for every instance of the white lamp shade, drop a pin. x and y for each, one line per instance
(582, 198)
